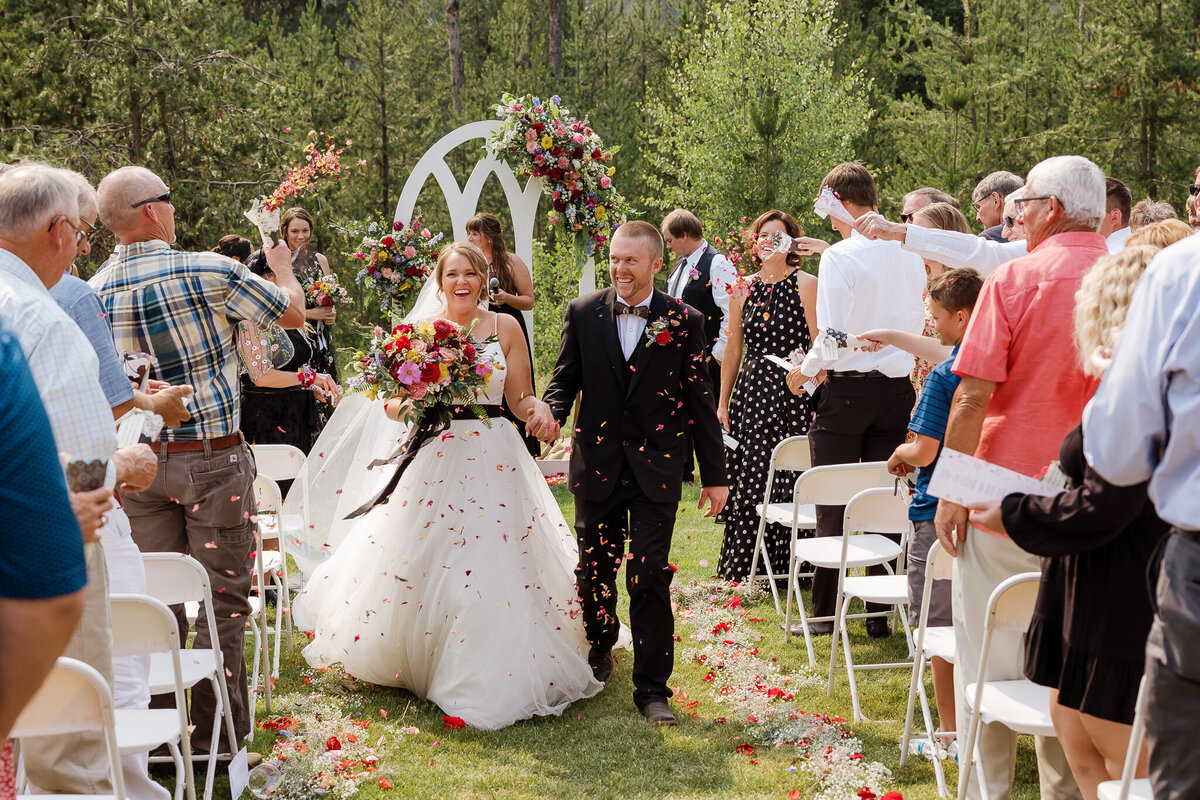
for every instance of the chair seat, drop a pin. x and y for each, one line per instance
(863, 551)
(781, 514)
(889, 589)
(1111, 790)
(1020, 705)
(142, 729)
(195, 666)
(939, 642)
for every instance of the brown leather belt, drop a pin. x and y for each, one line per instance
(197, 445)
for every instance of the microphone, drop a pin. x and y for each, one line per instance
(493, 284)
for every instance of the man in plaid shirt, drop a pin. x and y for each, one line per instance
(182, 308)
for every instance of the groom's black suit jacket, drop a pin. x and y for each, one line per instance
(635, 411)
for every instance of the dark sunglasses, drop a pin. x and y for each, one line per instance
(165, 197)
(1194, 189)
(906, 218)
(1010, 222)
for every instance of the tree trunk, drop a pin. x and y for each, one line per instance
(454, 38)
(556, 36)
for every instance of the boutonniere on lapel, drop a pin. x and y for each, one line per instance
(662, 330)
(693, 273)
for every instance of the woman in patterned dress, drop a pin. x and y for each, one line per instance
(297, 227)
(777, 316)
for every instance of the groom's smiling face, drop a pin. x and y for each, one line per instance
(632, 264)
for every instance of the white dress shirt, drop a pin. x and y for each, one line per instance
(1144, 421)
(1116, 240)
(862, 285)
(630, 327)
(63, 363)
(721, 276)
(955, 249)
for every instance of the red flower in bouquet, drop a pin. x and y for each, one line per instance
(325, 291)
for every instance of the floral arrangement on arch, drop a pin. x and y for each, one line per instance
(397, 262)
(543, 140)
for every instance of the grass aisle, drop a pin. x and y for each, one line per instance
(602, 748)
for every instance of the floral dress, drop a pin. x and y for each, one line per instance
(324, 357)
(763, 412)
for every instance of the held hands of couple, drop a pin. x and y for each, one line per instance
(541, 422)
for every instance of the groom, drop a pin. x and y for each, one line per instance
(637, 355)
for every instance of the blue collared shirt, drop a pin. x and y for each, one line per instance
(1144, 421)
(81, 303)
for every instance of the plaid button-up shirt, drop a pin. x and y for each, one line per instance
(183, 308)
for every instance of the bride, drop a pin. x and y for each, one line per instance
(460, 586)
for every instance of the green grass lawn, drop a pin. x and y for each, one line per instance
(602, 748)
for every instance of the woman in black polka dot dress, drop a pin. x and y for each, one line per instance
(775, 318)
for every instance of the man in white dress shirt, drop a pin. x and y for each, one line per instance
(864, 407)
(1114, 226)
(701, 278)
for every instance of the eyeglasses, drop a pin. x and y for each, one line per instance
(1021, 201)
(1194, 189)
(86, 233)
(906, 218)
(79, 234)
(165, 197)
(981, 201)
(1010, 222)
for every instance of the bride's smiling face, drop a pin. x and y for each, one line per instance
(460, 283)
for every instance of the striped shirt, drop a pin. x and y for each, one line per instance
(929, 419)
(63, 363)
(183, 308)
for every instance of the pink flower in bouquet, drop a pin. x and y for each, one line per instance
(425, 234)
(605, 182)
(552, 218)
(483, 368)
(387, 273)
(408, 373)
(564, 162)
(578, 138)
(410, 252)
(418, 391)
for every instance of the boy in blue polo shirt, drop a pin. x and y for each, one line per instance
(951, 298)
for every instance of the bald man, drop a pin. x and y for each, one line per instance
(182, 308)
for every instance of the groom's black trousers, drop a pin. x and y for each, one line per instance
(602, 528)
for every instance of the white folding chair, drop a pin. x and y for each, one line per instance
(1129, 787)
(1020, 705)
(279, 462)
(175, 578)
(791, 455)
(930, 643)
(274, 562)
(74, 697)
(879, 511)
(831, 485)
(142, 625)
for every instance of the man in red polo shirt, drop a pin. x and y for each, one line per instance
(1022, 390)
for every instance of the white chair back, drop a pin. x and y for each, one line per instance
(793, 454)
(877, 511)
(939, 565)
(835, 484)
(267, 495)
(1010, 608)
(176, 578)
(74, 697)
(142, 624)
(279, 462)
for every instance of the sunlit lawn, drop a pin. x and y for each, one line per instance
(602, 748)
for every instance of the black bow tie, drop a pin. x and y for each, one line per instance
(636, 311)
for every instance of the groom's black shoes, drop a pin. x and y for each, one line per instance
(601, 664)
(658, 713)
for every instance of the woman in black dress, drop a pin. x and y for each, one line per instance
(277, 406)
(297, 227)
(1087, 638)
(776, 317)
(510, 291)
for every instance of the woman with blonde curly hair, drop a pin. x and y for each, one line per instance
(1160, 234)
(1088, 635)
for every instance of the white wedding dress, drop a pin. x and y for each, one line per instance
(461, 587)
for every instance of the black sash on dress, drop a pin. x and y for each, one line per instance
(432, 423)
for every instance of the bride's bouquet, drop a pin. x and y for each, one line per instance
(438, 368)
(435, 365)
(325, 291)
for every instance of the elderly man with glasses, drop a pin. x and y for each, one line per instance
(181, 308)
(40, 232)
(1022, 391)
(988, 201)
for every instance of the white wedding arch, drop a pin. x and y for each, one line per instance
(463, 203)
